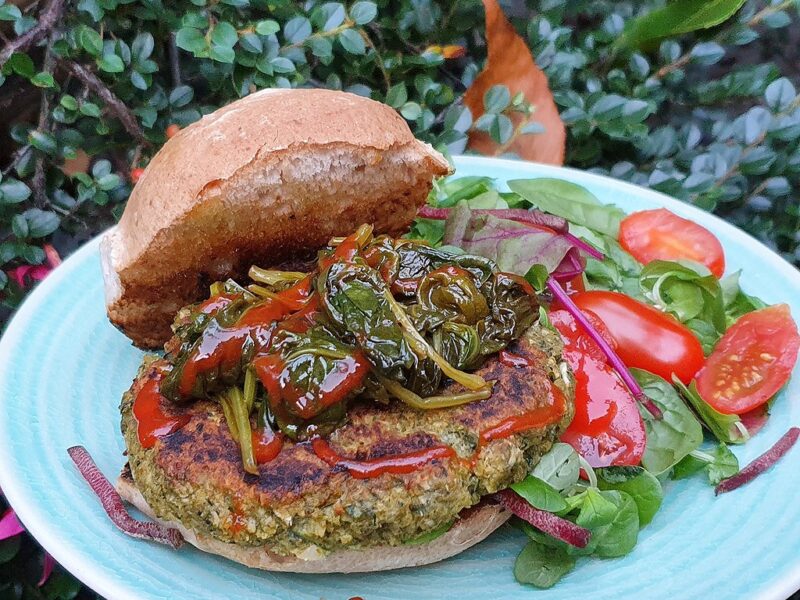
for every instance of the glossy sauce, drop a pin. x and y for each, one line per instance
(215, 303)
(152, 422)
(221, 348)
(266, 444)
(539, 417)
(337, 385)
(366, 469)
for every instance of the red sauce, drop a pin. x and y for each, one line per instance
(539, 417)
(215, 303)
(510, 359)
(266, 444)
(222, 348)
(366, 469)
(152, 422)
(346, 251)
(336, 386)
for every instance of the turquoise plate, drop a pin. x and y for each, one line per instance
(63, 369)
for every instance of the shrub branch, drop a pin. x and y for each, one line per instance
(48, 18)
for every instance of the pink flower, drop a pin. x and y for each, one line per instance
(32, 273)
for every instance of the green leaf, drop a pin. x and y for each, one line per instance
(539, 494)
(352, 42)
(542, 566)
(110, 63)
(363, 12)
(90, 109)
(560, 467)
(726, 428)
(397, 95)
(13, 191)
(41, 223)
(19, 226)
(224, 35)
(22, 65)
(222, 54)
(618, 537)
(281, 64)
(250, 42)
(191, 40)
(181, 96)
(685, 289)
(297, 30)
(598, 509)
(677, 17)
(267, 27)
(496, 99)
(411, 111)
(9, 12)
(501, 129)
(91, 41)
(537, 276)
(724, 465)
(43, 141)
(676, 434)
(687, 467)
(9, 547)
(43, 80)
(142, 46)
(571, 201)
(639, 483)
(780, 94)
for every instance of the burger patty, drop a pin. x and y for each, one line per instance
(300, 505)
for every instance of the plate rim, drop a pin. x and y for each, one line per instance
(36, 522)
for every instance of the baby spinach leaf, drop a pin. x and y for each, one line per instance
(618, 271)
(571, 201)
(718, 464)
(724, 465)
(737, 303)
(542, 566)
(687, 290)
(618, 537)
(598, 509)
(560, 467)
(676, 434)
(726, 428)
(639, 483)
(449, 192)
(539, 494)
(688, 466)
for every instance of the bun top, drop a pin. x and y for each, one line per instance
(212, 149)
(269, 178)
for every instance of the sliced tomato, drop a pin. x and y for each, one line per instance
(607, 428)
(751, 362)
(646, 338)
(659, 234)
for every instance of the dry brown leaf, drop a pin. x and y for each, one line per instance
(79, 164)
(511, 63)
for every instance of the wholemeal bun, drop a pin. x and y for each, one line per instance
(470, 529)
(266, 179)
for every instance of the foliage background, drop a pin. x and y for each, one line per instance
(712, 117)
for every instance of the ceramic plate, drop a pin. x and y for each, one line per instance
(63, 369)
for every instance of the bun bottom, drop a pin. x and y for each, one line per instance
(468, 531)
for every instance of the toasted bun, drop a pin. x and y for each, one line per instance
(467, 532)
(267, 178)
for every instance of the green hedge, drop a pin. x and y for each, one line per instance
(711, 117)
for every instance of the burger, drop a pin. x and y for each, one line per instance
(332, 397)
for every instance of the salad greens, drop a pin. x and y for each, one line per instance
(613, 503)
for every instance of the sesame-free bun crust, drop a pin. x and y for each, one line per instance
(465, 533)
(268, 178)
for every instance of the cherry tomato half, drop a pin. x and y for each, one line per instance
(607, 428)
(662, 235)
(751, 362)
(646, 338)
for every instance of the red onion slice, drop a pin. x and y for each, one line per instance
(613, 357)
(521, 215)
(551, 524)
(761, 464)
(115, 509)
